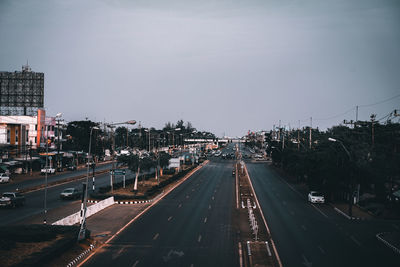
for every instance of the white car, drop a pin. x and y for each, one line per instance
(316, 197)
(4, 178)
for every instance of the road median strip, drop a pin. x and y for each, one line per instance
(255, 237)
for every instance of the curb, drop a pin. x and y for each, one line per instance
(264, 220)
(132, 202)
(395, 249)
(83, 254)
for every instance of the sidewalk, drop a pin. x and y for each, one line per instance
(102, 226)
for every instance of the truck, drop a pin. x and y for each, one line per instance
(12, 199)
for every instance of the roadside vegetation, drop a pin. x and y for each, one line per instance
(361, 161)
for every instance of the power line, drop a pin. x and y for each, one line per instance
(380, 102)
(339, 115)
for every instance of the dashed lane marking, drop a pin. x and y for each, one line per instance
(199, 239)
(322, 250)
(355, 240)
(209, 207)
(156, 236)
(205, 219)
(136, 263)
(170, 218)
(320, 211)
(180, 205)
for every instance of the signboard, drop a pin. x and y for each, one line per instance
(118, 172)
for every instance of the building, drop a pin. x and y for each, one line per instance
(21, 92)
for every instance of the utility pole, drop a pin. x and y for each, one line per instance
(279, 133)
(356, 116)
(127, 136)
(298, 137)
(310, 132)
(373, 116)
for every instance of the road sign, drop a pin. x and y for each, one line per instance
(119, 172)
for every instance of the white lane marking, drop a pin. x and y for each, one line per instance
(322, 250)
(209, 207)
(170, 218)
(240, 255)
(320, 211)
(192, 265)
(304, 227)
(215, 191)
(205, 219)
(199, 239)
(212, 198)
(117, 254)
(136, 263)
(355, 240)
(193, 190)
(180, 205)
(187, 196)
(156, 236)
(306, 262)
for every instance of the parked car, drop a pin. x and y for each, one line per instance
(71, 167)
(12, 199)
(49, 170)
(316, 197)
(4, 178)
(70, 193)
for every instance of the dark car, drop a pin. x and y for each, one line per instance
(71, 167)
(70, 193)
(12, 199)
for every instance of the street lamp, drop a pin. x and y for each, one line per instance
(351, 184)
(58, 116)
(112, 126)
(148, 131)
(84, 203)
(173, 136)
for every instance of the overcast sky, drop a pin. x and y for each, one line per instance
(225, 66)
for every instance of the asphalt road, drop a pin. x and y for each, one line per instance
(34, 205)
(191, 226)
(315, 235)
(28, 183)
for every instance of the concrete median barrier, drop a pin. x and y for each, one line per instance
(93, 209)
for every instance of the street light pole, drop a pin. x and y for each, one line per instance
(112, 125)
(58, 139)
(45, 176)
(85, 196)
(351, 182)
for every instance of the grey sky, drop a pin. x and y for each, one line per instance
(226, 66)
